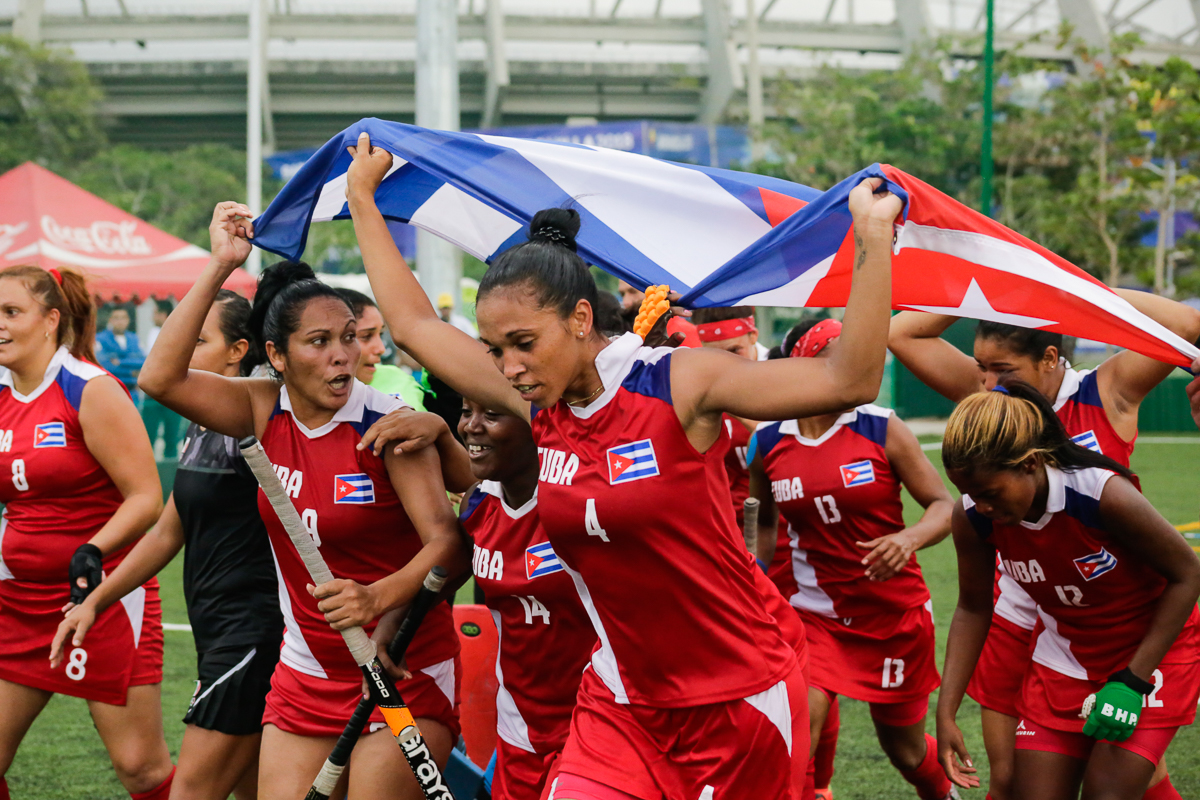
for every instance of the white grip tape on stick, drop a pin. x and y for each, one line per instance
(357, 640)
(750, 524)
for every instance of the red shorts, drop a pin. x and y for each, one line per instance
(310, 706)
(1000, 671)
(881, 658)
(1053, 700)
(123, 648)
(520, 774)
(897, 715)
(757, 747)
(1149, 743)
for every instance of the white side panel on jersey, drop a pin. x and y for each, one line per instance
(810, 597)
(5, 572)
(135, 609)
(296, 652)
(1014, 603)
(774, 705)
(443, 675)
(510, 725)
(604, 661)
(1053, 650)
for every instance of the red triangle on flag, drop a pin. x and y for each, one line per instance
(341, 488)
(779, 206)
(39, 435)
(617, 465)
(532, 562)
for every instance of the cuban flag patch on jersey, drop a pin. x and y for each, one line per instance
(540, 560)
(1088, 439)
(857, 474)
(50, 434)
(357, 488)
(1096, 564)
(631, 462)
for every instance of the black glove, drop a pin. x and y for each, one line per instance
(85, 572)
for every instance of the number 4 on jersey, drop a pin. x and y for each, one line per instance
(592, 522)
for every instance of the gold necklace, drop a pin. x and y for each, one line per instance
(587, 399)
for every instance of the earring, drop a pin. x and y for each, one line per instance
(581, 334)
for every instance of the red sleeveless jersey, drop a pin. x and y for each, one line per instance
(643, 524)
(347, 502)
(546, 638)
(56, 495)
(1095, 599)
(736, 465)
(1082, 413)
(835, 491)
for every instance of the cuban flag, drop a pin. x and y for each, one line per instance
(540, 560)
(631, 462)
(357, 488)
(49, 434)
(719, 237)
(1096, 564)
(1088, 439)
(857, 474)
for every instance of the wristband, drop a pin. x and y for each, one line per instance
(761, 565)
(87, 563)
(1127, 677)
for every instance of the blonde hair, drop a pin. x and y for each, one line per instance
(1004, 428)
(69, 294)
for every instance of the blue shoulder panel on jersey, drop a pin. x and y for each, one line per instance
(764, 440)
(471, 503)
(981, 524)
(1083, 508)
(533, 411)
(1088, 392)
(278, 409)
(870, 426)
(72, 387)
(651, 380)
(369, 418)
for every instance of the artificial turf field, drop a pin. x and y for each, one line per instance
(62, 758)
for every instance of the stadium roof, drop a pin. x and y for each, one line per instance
(174, 71)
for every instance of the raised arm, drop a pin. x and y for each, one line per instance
(706, 381)
(222, 404)
(452, 355)
(915, 339)
(968, 631)
(768, 512)
(887, 555)
(1125, 379)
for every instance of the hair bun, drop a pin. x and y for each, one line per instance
(555, 225)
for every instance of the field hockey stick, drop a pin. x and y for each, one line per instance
(383, 691)
(335, 765)
(750, 524)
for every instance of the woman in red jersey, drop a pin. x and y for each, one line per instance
(836, 479)
(381, 522)
(1099, 409)
(1116, 649)
(80, 488)
(693, 691)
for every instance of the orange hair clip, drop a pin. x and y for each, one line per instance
(654, 305)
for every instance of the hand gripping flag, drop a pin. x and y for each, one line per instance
(719, 237)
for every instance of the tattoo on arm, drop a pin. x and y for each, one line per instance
(861, 250)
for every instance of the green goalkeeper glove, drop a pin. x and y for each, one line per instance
(1112, 713)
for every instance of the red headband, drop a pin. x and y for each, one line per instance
(56, 274)
(817, 338)
(725, 329)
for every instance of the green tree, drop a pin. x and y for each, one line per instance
(172, 190)
(47, 107)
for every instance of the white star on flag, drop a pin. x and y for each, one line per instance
(975, 305)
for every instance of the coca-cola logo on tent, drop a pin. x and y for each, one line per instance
(9, 234)
(108, 238)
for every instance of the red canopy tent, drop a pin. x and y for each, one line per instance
(48, 221)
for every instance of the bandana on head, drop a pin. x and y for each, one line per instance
(817, 338)
(725, 329)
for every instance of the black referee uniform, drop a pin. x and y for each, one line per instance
(229, 581)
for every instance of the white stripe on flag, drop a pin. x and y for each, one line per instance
(470, 224)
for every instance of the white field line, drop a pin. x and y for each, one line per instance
(1141, 440)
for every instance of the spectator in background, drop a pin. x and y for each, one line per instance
(118, 350)
(448, 314)
(159, 419)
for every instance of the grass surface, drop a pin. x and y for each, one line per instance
(62, 758)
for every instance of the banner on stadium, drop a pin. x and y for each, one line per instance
(719, 237)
